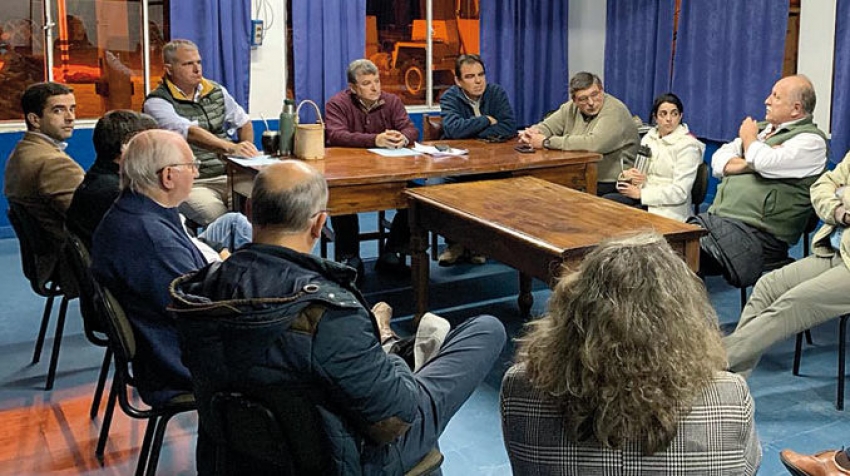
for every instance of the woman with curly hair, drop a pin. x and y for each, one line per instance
(624, 375)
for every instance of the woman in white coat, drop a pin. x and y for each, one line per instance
(664, 186)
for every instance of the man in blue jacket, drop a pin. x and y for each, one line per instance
(474, 109)
(275, 318)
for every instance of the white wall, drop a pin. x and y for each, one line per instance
(267, 62)
(586, 37)
(815, 54)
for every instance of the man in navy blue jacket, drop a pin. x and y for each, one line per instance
(473, 108)
(274, 317)
(140, 246)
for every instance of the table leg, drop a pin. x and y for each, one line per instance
(525, 300)
(420, 265)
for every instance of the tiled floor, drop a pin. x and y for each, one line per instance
(50, 433)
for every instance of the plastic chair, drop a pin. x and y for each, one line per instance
(36, 250)
(281, 435)
(122, 341)
(94, 324)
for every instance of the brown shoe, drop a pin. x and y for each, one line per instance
(819, 464)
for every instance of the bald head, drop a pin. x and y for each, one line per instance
(804, 91)
(287, 196)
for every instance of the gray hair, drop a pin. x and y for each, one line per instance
(169, 51)
(806, 94)
(583, 80)
(358, 67)
(147, 153)
(287, 209)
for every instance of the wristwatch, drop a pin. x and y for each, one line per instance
(546, 143)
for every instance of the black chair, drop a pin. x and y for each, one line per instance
(39, 251)
(328, 235)
(94, 324)
(122, 341)
(842, 348)
(281, 435)
(700, 187)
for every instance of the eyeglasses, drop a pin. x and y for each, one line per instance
(324, 210)
(585, 99)
(195, 164)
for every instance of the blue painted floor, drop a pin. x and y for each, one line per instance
(796, 412)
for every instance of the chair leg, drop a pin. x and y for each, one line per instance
(156, 447)
(107, 420)
(798, 351)
(42, 331)
(842, 347)
(57, 342)
(434, 253)
(382, 236)
(809, 337)
(144, 454)
(101, 382)
(743, 298)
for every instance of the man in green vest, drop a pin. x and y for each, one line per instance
(205, 114)
(762, 204)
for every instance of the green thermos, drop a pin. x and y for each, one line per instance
(287, 127)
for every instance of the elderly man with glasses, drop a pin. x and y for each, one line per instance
(140, 246)
(593, 121)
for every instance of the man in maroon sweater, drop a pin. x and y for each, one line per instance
(363, 116)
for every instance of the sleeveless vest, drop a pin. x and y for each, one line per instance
(780, 207)
(209, 113)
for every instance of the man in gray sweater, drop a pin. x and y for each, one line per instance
(592, 121)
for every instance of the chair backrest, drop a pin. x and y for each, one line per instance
(34, 243)
(79, 262)
(700, 187)
(284, 432)
(432, 127)
(122, 340)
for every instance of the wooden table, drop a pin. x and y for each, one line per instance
(529, 224)
(362, 181)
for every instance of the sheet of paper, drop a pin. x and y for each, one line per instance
(403, 152)
(259, 160)
(434, 152)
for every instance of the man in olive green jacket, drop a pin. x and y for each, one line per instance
(593, 121)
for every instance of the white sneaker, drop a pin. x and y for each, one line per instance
(477, 258)
(429, 338)
(451, 254)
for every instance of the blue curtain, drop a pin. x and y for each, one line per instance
(221, 29)
(524, 45)
(638, 51)
(327, 35)
(728, 55)
(841, 84)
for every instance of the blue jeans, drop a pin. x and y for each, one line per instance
(231, 230)
(447, 381)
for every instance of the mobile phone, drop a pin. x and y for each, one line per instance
(524, 149)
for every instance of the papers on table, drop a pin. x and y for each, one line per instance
(434, 152)
(257, 161)
(403, 152)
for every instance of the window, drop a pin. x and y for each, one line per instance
(397, 41)
(95, 46)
